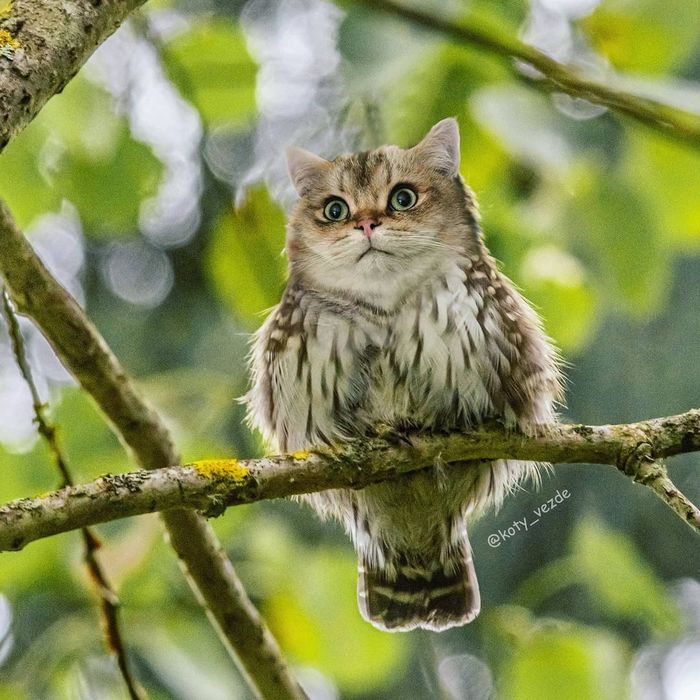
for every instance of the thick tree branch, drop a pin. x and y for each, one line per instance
(83, 350)
(552, 75)
(212, 486)
(42, 46)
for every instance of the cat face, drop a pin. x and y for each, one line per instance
(375, 224)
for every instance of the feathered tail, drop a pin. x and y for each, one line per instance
(420, 591)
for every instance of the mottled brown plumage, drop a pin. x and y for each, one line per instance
(399, 316)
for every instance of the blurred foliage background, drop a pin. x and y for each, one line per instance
(127, 185)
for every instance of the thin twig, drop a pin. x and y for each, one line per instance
(51, 40)
(553, 76)
(109, 601)
(86, 354)
(211, 486)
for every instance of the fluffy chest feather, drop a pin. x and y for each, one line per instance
(434, 369)
(432, 364)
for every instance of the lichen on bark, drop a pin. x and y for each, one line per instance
(42, 46)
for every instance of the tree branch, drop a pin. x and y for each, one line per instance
(212, 486)
(555, 76)
(107, 596)
(83, 350)
(42, 46)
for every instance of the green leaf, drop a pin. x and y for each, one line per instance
(318, 623)
(549, 276)
(619, 235)
(561, 661)
(505, 15)
(24, 182)
(244, 258)
(441, 80)
(619, 579)
(570, 311)
(108, 195)
(649, 36)
(556, 284)
(211, 67)
(79, 149)
(668, 176)
(86, 438)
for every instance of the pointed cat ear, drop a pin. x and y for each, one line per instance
(304, 167)
(440, 148)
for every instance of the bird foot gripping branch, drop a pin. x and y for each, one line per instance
(640, 463)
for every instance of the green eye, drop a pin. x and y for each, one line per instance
(336, 210)
(402, 198)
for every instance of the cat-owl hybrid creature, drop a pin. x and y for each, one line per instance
(395, 314)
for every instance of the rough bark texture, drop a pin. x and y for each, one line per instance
(212, 486)
(83, 350)
(42, 46)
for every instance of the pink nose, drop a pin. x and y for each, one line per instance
(367, 226)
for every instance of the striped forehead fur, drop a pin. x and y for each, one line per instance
(371, 175)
